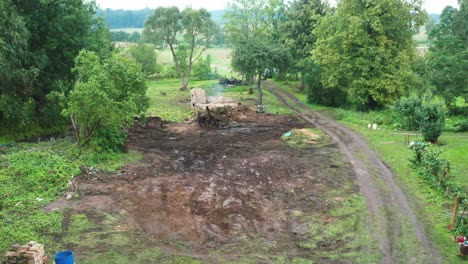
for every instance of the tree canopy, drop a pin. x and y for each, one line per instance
(302, 19)
(188, 34)
(40, 40)
(366, 49)
(448, 54)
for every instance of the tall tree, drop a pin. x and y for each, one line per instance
(46, 36)
(303, 16)
(448, 54)
(188, 34)
(253, 29)
(366, 49)
(15, 79)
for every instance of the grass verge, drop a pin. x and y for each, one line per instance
(432, 208)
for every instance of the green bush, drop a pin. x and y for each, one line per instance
(408, 108)
(202, 69)
(146, 56)
(107, 96)
(425, 113)
(431, 120)
(317, 93)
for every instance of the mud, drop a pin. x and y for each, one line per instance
(210, 189)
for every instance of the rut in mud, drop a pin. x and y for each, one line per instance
(390, 210)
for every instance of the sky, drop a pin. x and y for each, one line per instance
(431, 6)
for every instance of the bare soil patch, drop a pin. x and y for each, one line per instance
(221, 194)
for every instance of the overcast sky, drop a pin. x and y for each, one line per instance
(432, 6)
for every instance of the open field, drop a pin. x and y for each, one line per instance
(128, 30)
(220, 59)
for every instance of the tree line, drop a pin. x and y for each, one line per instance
(124, 18)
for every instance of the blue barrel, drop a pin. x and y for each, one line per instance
(64, 257)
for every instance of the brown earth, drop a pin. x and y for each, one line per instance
(220, 188)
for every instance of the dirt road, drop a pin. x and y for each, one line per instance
(392, 218)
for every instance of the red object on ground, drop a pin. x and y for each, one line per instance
(461, 239)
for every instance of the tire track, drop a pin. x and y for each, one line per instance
(387, 204)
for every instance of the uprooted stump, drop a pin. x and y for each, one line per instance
(214, 117)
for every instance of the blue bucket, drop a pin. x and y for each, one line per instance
(64, 257)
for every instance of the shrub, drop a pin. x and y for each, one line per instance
(431, 120)
(408, 108)
(145, 55)
(105, 99)
(317, 93)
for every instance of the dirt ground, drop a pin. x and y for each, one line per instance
(220, 194)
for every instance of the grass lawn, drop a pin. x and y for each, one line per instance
(174, 105)
(432, 208)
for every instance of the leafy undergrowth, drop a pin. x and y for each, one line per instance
(35, 174)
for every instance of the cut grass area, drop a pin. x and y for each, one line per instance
(432, 208)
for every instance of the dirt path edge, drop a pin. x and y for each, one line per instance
(388, 206)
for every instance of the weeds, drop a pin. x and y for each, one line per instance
(33, 175)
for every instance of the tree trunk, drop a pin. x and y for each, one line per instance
(302, 87)
(259, 90)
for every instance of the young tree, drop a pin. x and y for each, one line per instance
(366, 48)
(166, 26)
(105, 98)
(253, 30)
(253, 57)
(146, 56)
